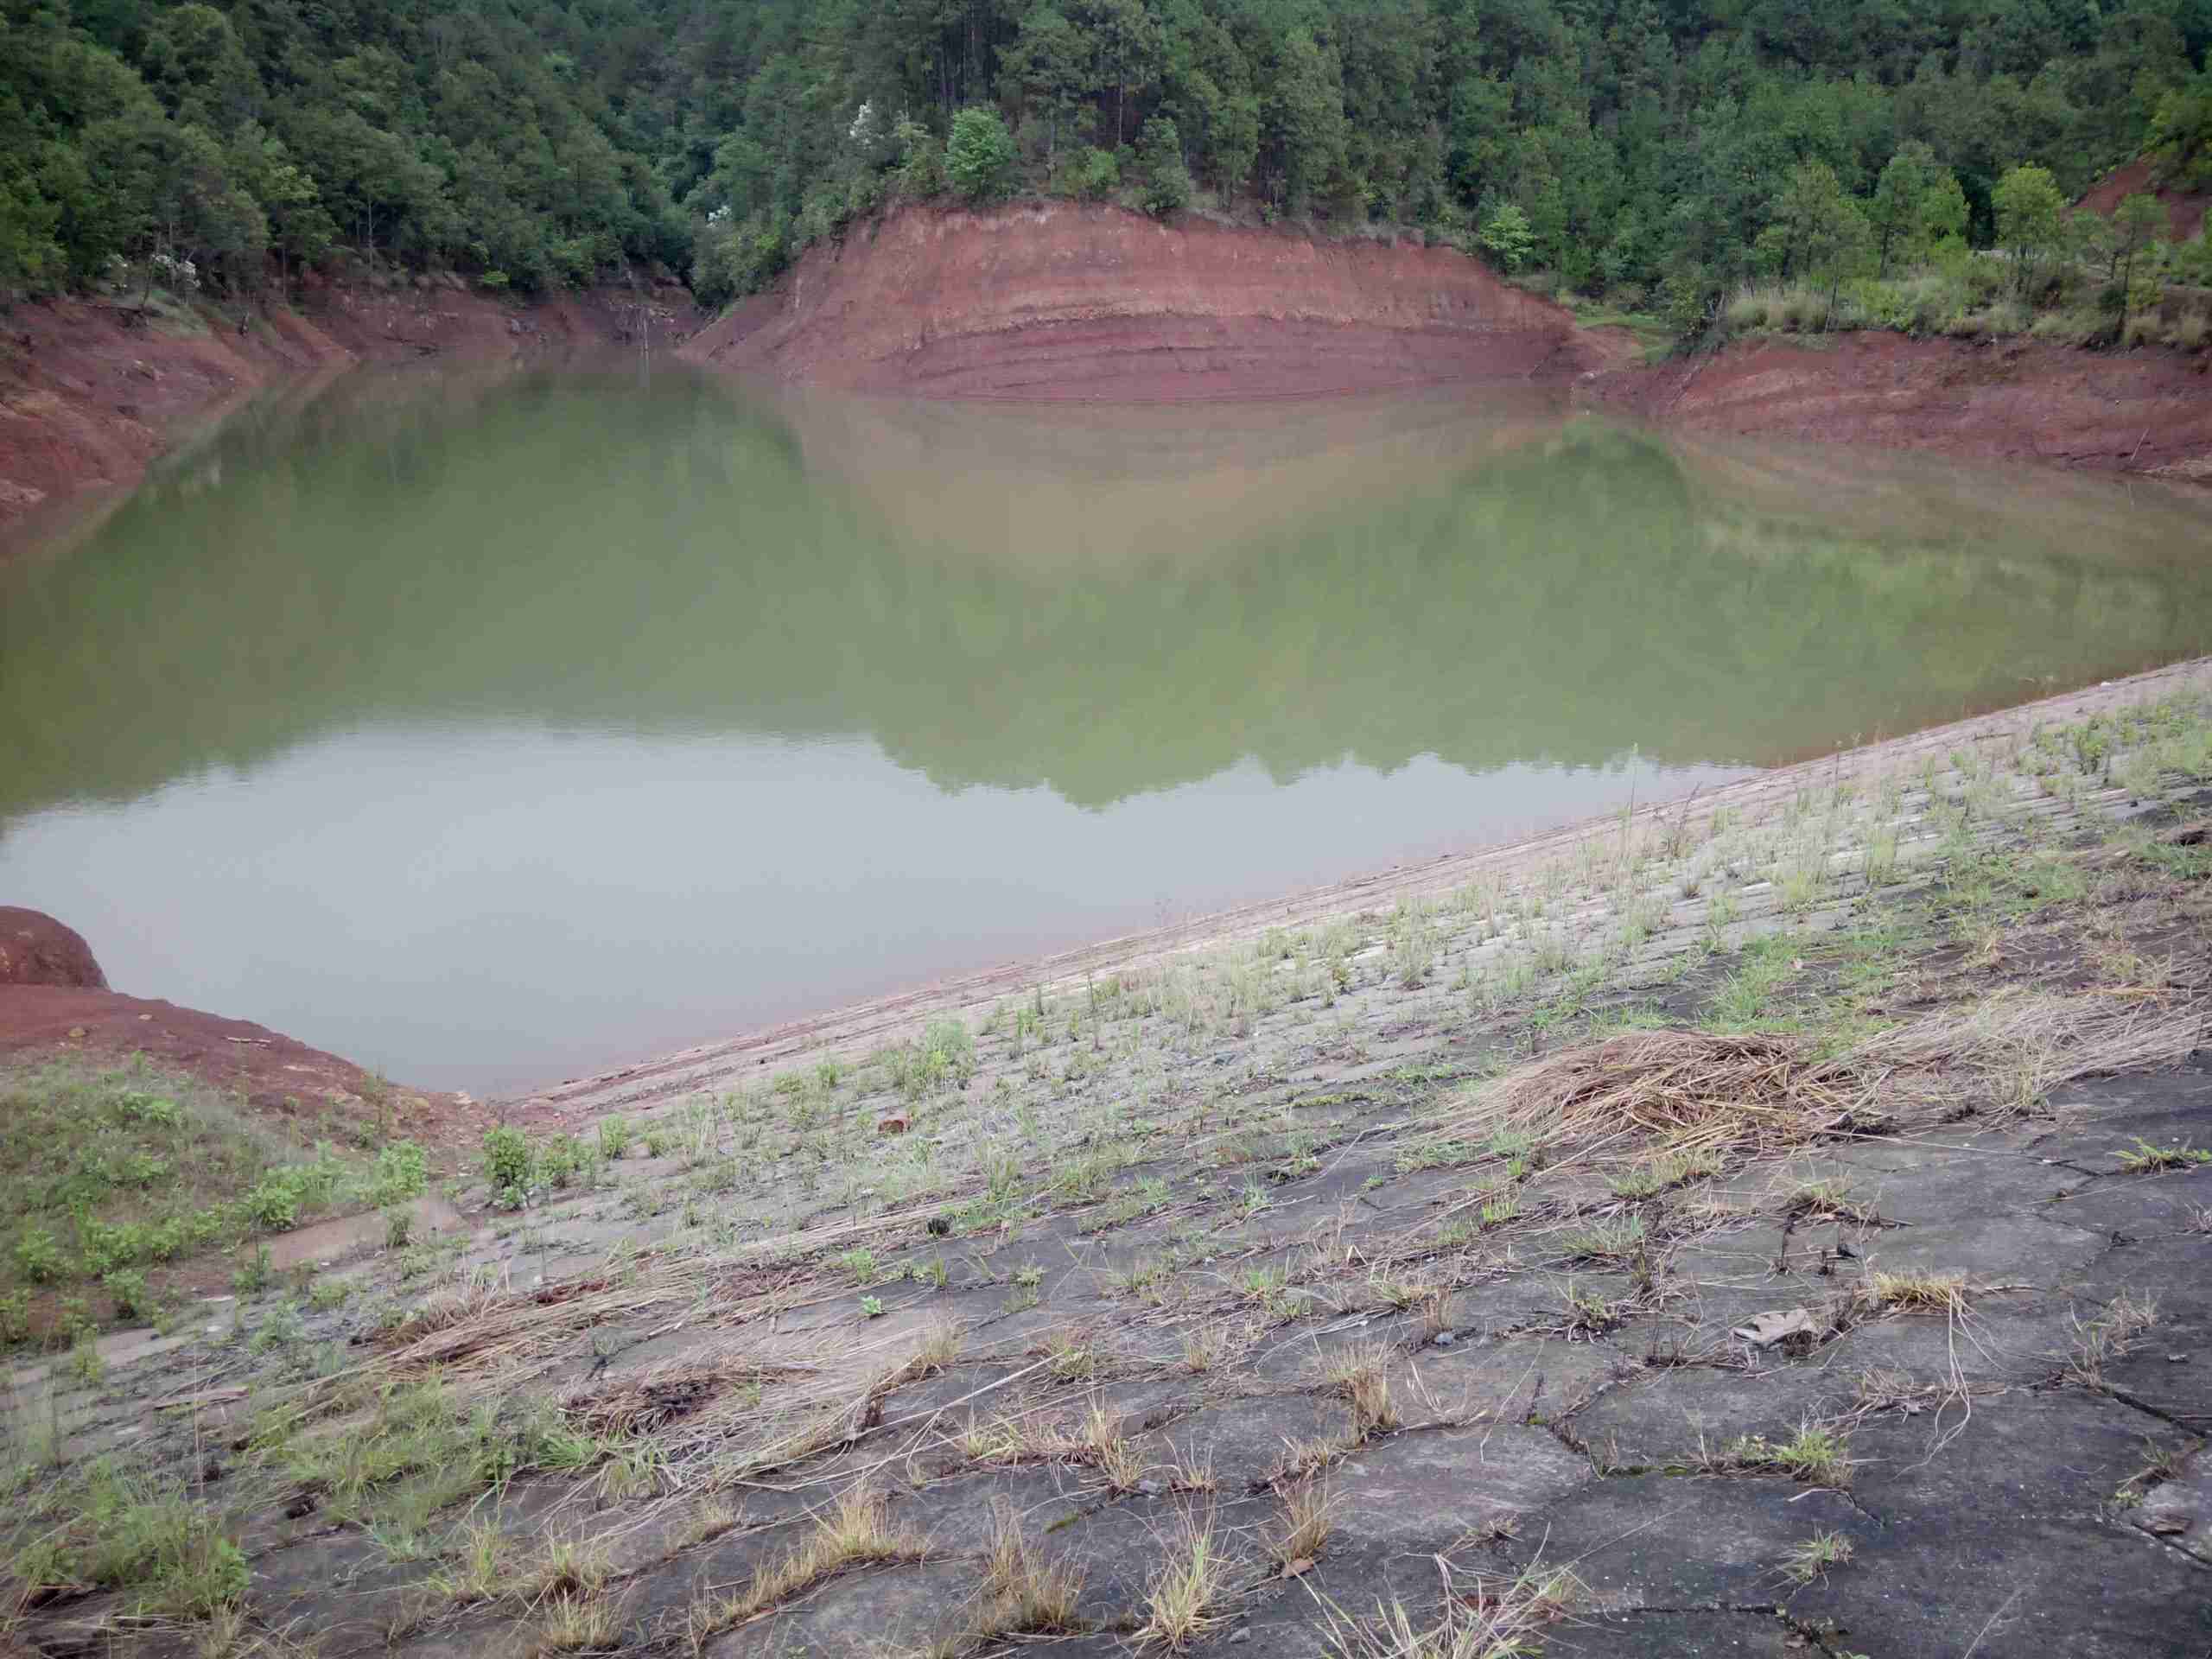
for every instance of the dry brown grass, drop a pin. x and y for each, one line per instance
(1911, 1292)
(856, 1532)
(574, 1624)
(1097, 1441)
(1189, 1590)
(2098, 1342)
(1704, 1094)
(571, 1568)
(1490, 1621)
(1360, 1372)
(1696, 1092)
(1305, 1524)
(650, 1400)
(1022, 1593)
(1203, 1350)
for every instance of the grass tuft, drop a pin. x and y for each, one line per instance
(1187, 1592)
(857, 1532)
(1307, 1522)
(1490, 1622)
(1360, 1372)
(1812, 1558)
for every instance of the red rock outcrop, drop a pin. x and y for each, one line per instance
(35, 950)
(1063, 301)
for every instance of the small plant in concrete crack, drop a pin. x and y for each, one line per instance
(2144, 1159)
(1812, 1559)
(1826, 1201)
(1607, 1240)
(1589, 1314)
(2160, 1465)
(1912, 1293)
(1650, 1177)
(1203, 1350)
(1359, 1372)
(1490, 1620)
(1189, 1590)
(1816, 1454)
(2109, 1336)
(1023, 1593)
(1305, 1525)
(856, 1532)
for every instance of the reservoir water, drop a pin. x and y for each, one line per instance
(490, 731)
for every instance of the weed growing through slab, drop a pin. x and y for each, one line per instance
(1495, 1212)
(2144, 1159)
(1812, 1558)
(1492, 1621)
(1649, 1177)
(1360, 1372)
(1912, 1293)
(574, 1624)
(1589, 1314)
(1203, 1350)
(165, 1556)
(1023, 1593)
(1187, 1592)
(1826, 1201)
(1306, 1524)
(857, 1532)
(1607, 1241)
(1815, 1454)
(2096, 1342)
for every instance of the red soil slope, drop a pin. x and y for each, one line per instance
(2148, 410)
(2184, 208)
(1061, 301)
(90, 392)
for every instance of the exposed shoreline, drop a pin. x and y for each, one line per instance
(1060, 303)
(850, 1030)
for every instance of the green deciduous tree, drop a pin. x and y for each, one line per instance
(2181, 132)
(1507, 237)
(979, 155)
(1817, 234)
(2136, 223)
(2029, 211)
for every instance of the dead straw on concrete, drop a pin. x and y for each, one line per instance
(1703, 1093)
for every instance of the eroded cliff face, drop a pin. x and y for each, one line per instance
(1064, 302)
(2138, 411)
(92, 390)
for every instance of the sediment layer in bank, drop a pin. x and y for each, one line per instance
(1063, 301)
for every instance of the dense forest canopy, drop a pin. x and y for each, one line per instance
(1621, 143)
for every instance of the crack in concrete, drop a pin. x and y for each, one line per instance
(1770, 1608)
(2189, 1425)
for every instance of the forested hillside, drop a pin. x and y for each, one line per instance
(1671, 149)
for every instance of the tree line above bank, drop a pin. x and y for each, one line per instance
(1669, 149)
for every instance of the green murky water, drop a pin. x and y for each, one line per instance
(490, 731)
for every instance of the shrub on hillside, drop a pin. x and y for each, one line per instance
(979, 157)
(1168, 187)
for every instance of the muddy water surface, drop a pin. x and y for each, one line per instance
(491, 732)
